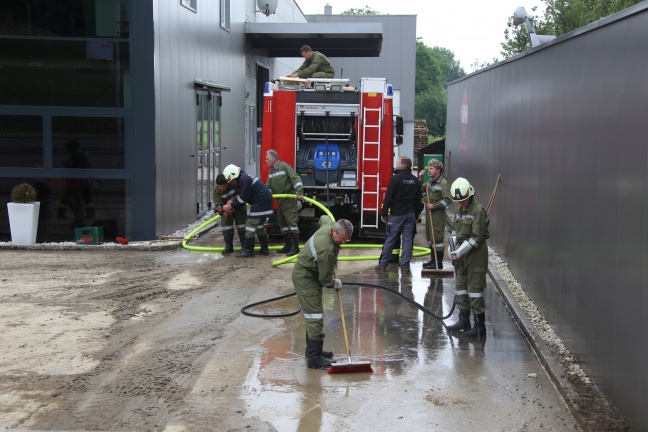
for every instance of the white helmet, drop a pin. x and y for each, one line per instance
(231, 172)
(461, 189)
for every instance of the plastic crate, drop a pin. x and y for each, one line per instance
(89, 235)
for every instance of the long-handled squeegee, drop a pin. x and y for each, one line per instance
(359, 366)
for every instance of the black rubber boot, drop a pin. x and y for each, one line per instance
(314, 354)
(430, 265)
(241, 234)
(263, 242)
(439, 255)
(294, 245)
(479, 329)
(229, 241)
(325, 354)
(464, 321)
(287, 246)
(247, 251)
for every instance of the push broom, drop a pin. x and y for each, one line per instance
(430, 228)
(358, 366)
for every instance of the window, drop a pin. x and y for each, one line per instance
(225, 14)
(99, 139)
(21, 141)
(190, 4)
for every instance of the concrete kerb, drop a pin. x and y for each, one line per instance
(70, 246)
(540, 348)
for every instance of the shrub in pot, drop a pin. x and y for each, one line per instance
(23, 214)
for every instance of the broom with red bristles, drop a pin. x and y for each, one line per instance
(358, 366)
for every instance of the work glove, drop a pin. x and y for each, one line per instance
(461, 250)
(337, 284)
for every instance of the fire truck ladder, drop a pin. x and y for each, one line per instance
(370, 189)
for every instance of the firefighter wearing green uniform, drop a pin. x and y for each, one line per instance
(315, 65)
(436, 192)
(225, 193)
(282, 179)
(313, 270)
(470, 253)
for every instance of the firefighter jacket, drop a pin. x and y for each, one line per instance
(221, 198)
(439, 193)
(471, 225)
(252, 191)
(282, 179)
(319, 255)
(403, 195)
(317, 63)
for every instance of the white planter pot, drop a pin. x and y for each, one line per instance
(23, 221)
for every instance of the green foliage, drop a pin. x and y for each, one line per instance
(23, 193)
(435, 67)
(560, 17)
(357, 11)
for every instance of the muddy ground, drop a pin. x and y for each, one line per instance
(123, 339)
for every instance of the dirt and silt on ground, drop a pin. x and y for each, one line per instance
(154, 340)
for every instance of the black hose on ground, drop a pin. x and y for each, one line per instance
(360, 284)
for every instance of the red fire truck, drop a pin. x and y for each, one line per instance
(339, 140)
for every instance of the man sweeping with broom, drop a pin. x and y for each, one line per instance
(437, 197)
(313, 270)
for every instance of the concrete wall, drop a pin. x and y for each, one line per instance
(565, 125)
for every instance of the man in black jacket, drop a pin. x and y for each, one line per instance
(402, 204)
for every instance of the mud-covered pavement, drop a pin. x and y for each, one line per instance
(155, 340)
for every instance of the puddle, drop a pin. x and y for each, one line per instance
(423, 377)
(184, 256)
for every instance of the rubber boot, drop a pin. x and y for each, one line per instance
(288, 244)
(464, 321)
(294, 245)
(241, 234)
(479, 329)
(314, 354)
(439, 255)
(263, 242)
(229, 241)
(248, 249)
(325, 354)
(430, 265)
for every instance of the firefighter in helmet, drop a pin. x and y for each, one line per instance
(226, 193)
(252, 191)
(470, 254)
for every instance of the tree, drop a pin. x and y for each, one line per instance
(356, 11)
(560, 17)
(435, 67)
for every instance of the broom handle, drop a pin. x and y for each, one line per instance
(346, 338)
(492, 197)
(431, 227)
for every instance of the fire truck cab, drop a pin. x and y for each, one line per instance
(339, 140)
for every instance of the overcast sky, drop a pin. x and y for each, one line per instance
(472, 29)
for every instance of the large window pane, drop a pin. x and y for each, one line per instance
(21, 141)
(104, 204)
(63, 72)
(69, 18)
(88, 142)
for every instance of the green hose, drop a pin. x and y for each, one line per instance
(423, 251)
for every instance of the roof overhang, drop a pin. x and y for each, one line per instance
(332, 39)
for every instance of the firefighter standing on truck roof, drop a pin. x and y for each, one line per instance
(312, 271)
(315, 65)
(437, 193)
(226, 193)
(471, 257)
(282, 179)
(253, 191)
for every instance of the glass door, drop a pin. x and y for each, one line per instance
(207, 147)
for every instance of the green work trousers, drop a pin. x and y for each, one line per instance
(287, 216)
(239, 218)
(471, 280)
(309, 293)
(255, 225)
(438, 224)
